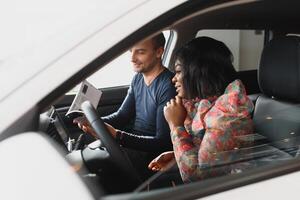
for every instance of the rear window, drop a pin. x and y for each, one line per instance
(245, 45)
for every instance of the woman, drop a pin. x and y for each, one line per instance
(209, 114)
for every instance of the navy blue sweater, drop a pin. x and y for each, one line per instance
(144, 106)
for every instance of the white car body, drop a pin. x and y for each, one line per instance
(25, 83)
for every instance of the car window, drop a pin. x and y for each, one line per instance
(245, 45)
(116, 73)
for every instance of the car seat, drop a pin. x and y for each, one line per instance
(277, 110)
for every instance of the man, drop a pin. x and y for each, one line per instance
(150, 90)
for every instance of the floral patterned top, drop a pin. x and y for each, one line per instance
(210, 130)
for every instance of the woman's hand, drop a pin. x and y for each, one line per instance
(175, 113)
(162, 162)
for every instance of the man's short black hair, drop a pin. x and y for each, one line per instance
(159, 40)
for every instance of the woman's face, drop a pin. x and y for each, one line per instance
(177, 79)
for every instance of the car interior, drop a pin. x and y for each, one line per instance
(273, 85)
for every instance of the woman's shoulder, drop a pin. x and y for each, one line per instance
(236, 87)
(235, 98)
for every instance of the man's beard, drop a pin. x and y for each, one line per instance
(145, 69)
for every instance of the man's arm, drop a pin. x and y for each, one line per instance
(125, 113)
(161, 140)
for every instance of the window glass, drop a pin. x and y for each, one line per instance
(245, 45)
(244, 151)
(117, 72)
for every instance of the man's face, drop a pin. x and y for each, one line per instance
(145, 57)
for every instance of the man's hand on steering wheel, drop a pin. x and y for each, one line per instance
(106, 133)
(84, 125)
(111, 129)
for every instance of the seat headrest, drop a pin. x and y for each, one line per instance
(279, 70)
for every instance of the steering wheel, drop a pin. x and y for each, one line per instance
(117, 155)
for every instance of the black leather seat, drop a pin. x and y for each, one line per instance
(277, 110)
(253, 98)
(276, 114)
